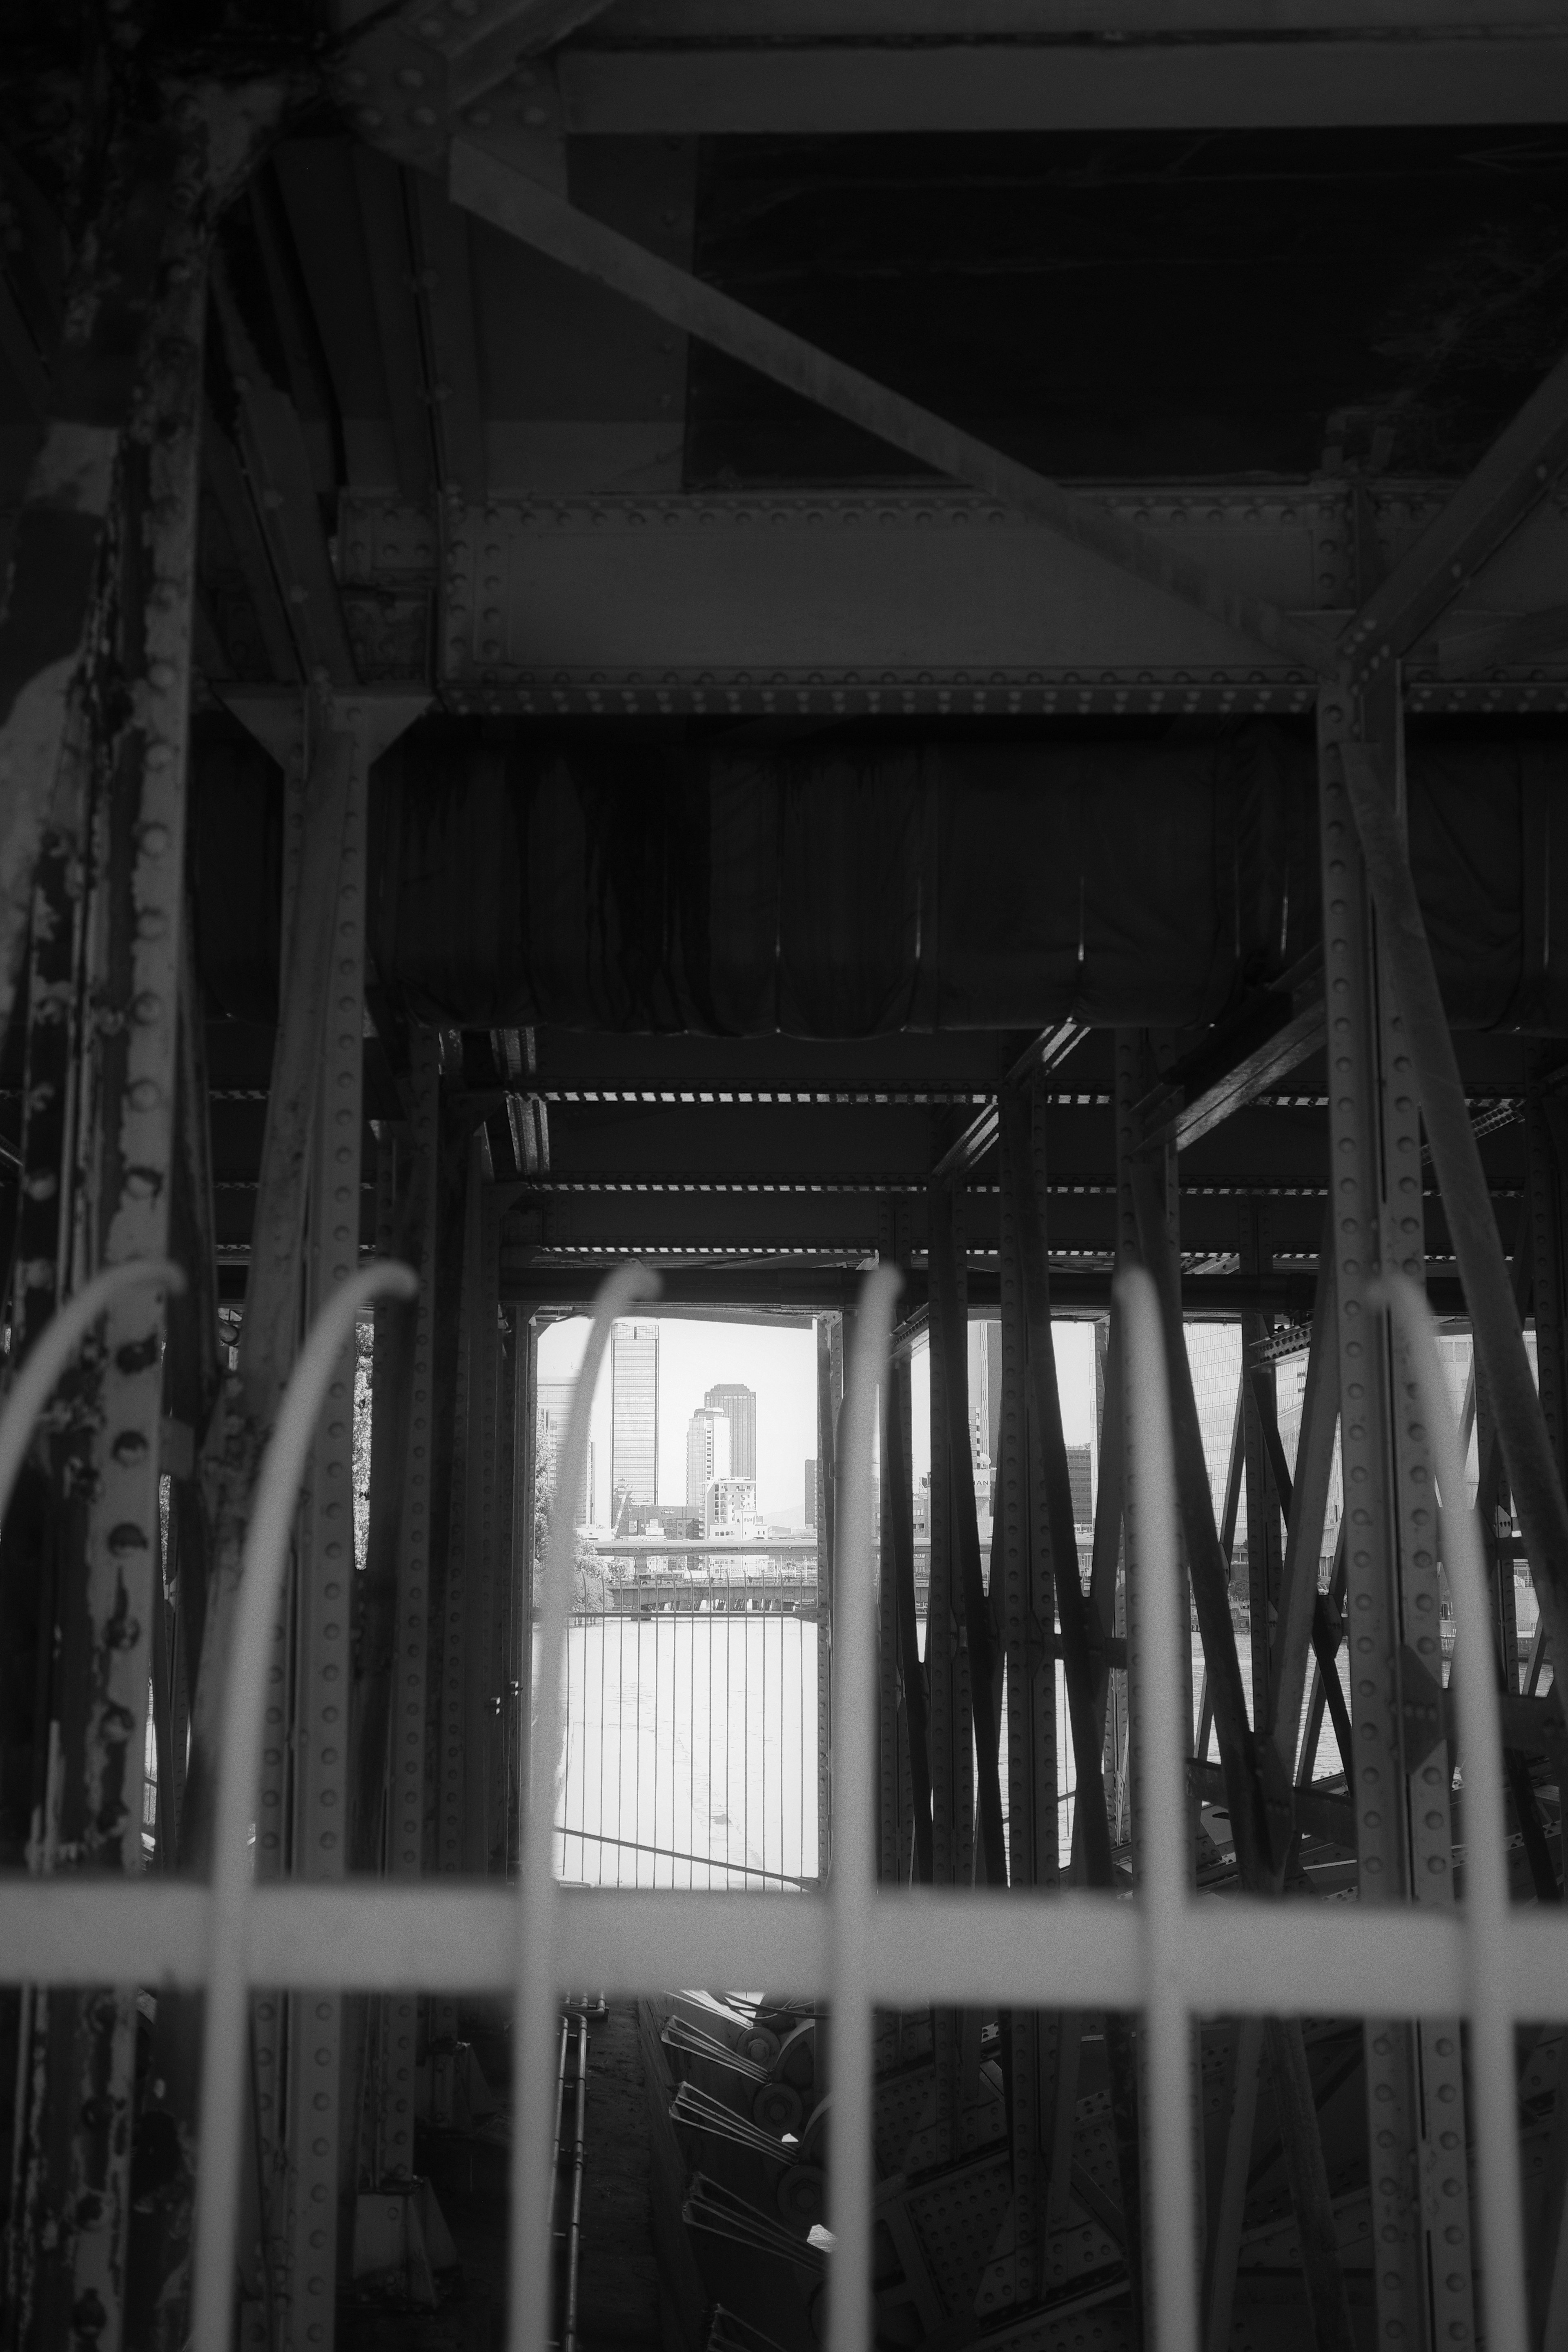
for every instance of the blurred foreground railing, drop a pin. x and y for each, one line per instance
(1166, 1954)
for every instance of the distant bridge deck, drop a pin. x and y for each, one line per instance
(716, 1596)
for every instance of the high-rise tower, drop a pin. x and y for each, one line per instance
(740, 1403)
(634, 1412)
(708, 1453)
(553, 1406)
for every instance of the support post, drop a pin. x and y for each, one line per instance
(949, 1714)
(915, 1761)
(829, 1397)
(523, 1573)
(405, 1762)
(991, 1857)
(95, 669)
(889, 1811)
(1264, 1555)
(1028, 1604)
(1420, 2201)
(1082, 1654)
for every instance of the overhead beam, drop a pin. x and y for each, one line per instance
(834, 87)
(1041, 20)
(496, 191)
(897, 600)
(480, 45)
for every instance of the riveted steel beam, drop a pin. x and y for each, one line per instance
(892, 602)
(734, 84)
(138, 254)
(1414, 2086)
(405, 1828)
(95, 687)
(485, 184)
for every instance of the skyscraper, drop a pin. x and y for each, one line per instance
(740, 1403)
(633, 1410)
(554, 1402)
(984, 1354)
(708, 1454)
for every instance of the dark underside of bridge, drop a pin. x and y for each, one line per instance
(789, 618)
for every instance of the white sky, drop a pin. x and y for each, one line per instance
(781, 1365)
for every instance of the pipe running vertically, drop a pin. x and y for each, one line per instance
(1160, 1753)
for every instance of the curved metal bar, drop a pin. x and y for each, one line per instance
(1160, 1638)
(226, 2038)
(55, 1346)
(1499, 2189)
(852, 1874)
(538, 1989)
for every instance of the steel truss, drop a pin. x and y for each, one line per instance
(414, 1764)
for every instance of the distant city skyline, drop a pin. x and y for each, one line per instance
(779, 1368)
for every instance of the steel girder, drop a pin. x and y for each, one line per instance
(1416, 2089)
(95, 666)
(900, 603)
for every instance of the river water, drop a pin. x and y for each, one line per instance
(691, 1747)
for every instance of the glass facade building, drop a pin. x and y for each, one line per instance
(633, 1413)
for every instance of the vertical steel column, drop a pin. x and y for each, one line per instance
(914, 1857)
(1420, 2202)
(1264, 1554)
(459, 1837)
(1029, 1613)
(829, 1397)
(944, 1707)
(124, 732)
(1107, 1599)
(503, 1586)
(121, 403)
(325, 1572)
(1129, 1083)
(487, 1516)
(960, 1495)
(890, 1822)
(522, 1570)
(405, 1810)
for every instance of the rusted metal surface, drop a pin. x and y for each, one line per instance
(138, 254)
(95, 665)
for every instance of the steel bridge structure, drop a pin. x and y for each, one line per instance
(767, 642)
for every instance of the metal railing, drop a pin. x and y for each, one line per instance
(1166, 1953)
(690, 1750)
